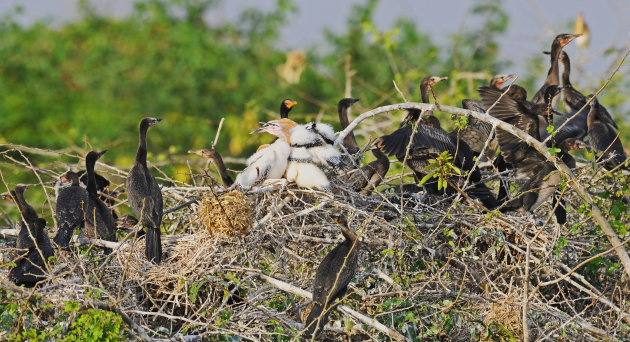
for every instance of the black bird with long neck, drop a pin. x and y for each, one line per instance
(427, 144)
(529, 164)
(426, 87)
(350, 142)
(573, 99)
(29, 217)
(30, 268)
(332, 278)
(70, 209)
(285, 108)
(559, 42)
(602, 137)
(216, 159)
(99, 222)
(373, 173)
(145, 196)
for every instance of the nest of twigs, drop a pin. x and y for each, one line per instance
(432, 267)
(228, 214)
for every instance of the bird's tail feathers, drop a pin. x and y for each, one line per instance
(153, 250)
(315, 321)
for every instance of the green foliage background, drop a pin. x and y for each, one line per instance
(86, 84)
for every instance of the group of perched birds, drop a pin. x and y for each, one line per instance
(84, 208)
(306, 154)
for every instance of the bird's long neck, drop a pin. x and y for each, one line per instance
(592, 115)
(350, 236)
(552, 75)
(566, 73)
(20, 202)
(285, 136)
(89, 169)
(284, 112)
(424, 95)
(349, 141)
(141, 155)
(218, 163)
(380, 156)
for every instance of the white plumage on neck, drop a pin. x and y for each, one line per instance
(268, 163)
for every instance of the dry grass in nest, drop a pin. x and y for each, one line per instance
(504, 320)
(187, 261)
(229, 214)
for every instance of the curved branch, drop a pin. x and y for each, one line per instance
(610, 233)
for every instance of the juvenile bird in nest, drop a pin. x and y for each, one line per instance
(216, 159)
(312, 150)
(270, 161)
(70, 209)
(30, 268)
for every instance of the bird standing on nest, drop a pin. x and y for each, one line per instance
(216, 159)
(309, 153)
(99, 222)
(270, 162)
(372, 174)
(70, 209)
(602, 136)
(332, 278)
(30, 268)
(28, 217)
(559, 42)
(541, 182)
(349, 142)
(145, 196)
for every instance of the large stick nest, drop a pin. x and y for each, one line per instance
(431, 267)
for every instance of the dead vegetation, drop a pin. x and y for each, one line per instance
(431, 268)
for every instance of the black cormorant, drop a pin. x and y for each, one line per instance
(559, 42)
(332, 278)
(70, 210)
(602, 137)
(99, 222)
(216, 159)
(145, 196)
(30, 268)
(350, 142)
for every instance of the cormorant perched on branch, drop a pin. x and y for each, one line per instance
(529, 164)
(99, 222)
(145, 196)
(476, 133)
(71, 209)
(426, 145)
(375, 171)
(559, 42)
(30, 267)
(216, 159)
(603, 137)
(349, 142)
(573, 99)
(27, 219)
(332, 278)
